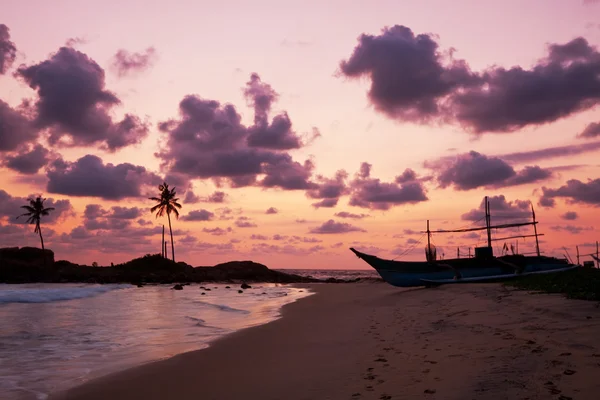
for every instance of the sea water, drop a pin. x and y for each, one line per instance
(56, 336)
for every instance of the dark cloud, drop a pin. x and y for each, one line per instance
(472, 170)
(258, 237)
(407, 176)
(329, 189)
(199, 215)
(371, 193)
(345, 214)
(409, 77)
(28, 161)
(95, 217)
(286, 249)
(272, 210)
(335, 227)
(125, 63)
(574, 191)
(74, 105)
(547, 202)
(570, 216)
(550, 152)
(89, 176)
(303, 239)
(210, 141)
(500, 209)
(411, 80)
(15, 128)
(8, 50)
(10, 208)
(571, 228)
(591, 131)
(325, 203)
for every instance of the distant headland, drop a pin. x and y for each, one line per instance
(31, 264)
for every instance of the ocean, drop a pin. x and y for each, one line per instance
(56, 336)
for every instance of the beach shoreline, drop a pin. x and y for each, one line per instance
(375, 341)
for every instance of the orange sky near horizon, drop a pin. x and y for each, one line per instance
(306, 55)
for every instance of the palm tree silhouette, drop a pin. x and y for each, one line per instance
(167, 203)
(35, 211)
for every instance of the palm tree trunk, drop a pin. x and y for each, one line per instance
(39, 229)
(171, 231)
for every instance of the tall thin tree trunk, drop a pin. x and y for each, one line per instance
(172, 243)
(39, 229)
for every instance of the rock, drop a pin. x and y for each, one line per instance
(240, 291)
(207, 289)
(227, 287)
(177, 287)
(245, 286)
(140, 285)
(202, 293)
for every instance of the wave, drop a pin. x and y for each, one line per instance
(222, 307)
(47, 295)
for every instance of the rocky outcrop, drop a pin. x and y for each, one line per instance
(26, 265)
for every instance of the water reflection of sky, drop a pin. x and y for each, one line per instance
(52, 345)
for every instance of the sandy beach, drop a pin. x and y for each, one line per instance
(374, 341)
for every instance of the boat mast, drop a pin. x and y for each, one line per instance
(488, 222)
(428, 237)
(537, 242)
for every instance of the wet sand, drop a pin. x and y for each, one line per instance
(374, 341)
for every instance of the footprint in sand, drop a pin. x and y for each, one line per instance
(370, 377)
(569, 372)
(355, 394)
(381, 360)
(431, 362)
(385, 397)
(380, 381)
(565, 397)
(369, 388)
(426, 371)
(564, 354)
(429, 391)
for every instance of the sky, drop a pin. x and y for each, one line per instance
(292, 130)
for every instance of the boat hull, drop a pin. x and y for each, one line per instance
(414, 273)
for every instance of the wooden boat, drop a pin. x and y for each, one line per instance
(484, 264)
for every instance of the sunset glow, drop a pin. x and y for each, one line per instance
(295, 130)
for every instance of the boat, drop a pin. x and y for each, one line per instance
(473, 269)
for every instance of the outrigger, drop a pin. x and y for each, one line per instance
(484, 266)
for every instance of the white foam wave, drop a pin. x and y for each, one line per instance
(223, 307)
(46, 295)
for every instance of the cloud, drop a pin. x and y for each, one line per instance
(591, 131)
(550, 152)
(74, 105)
(570, 216)
(125, 63)
(95, 217)
(329, 190)
(89, 176)
(258, 237)
(15, 128)
(500, 209)
(412, 80)
(472, 170)
(28, 161)
(371, 193)
(345, 214)
(10, 208)
(217, 231)
(335, 227)
(199, 215)
(8, 50)
(572, 229)
(409, 77)
(271, 210)
(244, 222)
(574, 191)
(210, 141)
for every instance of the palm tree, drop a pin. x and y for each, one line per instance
(167, 203)
(35, 211)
